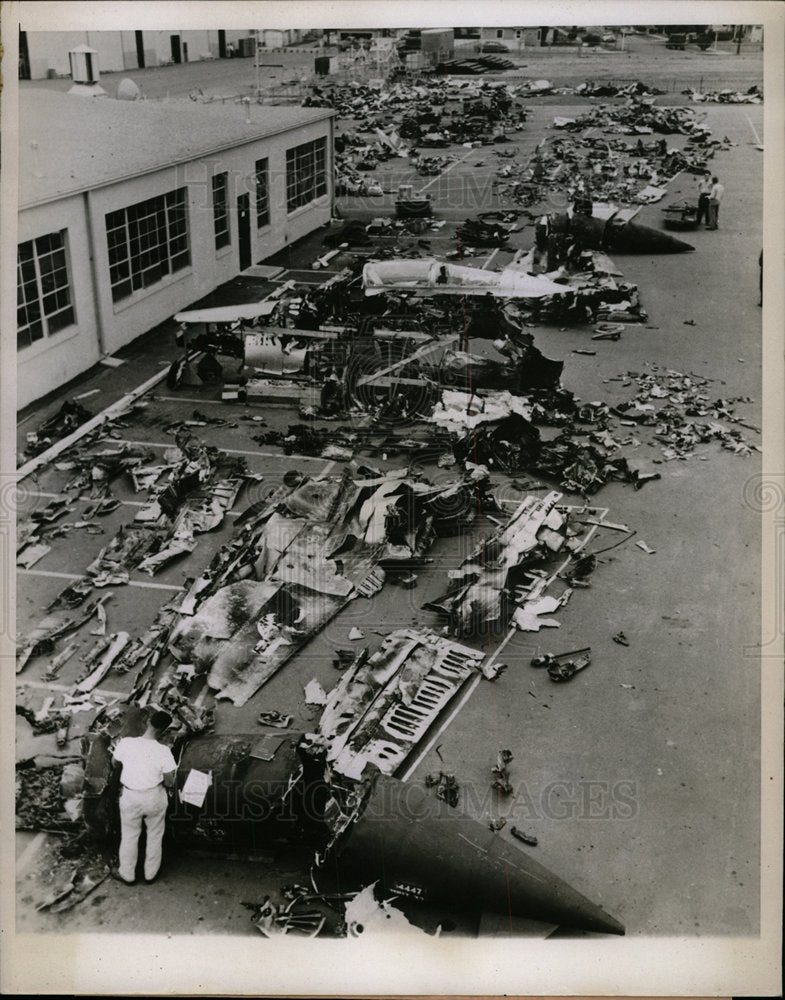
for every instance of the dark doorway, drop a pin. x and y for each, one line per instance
(175, 40)
(185, 51)
(24, 57)
(139, 49)
(244, 229)
(221, 44)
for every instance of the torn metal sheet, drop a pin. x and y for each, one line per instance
(479, 584)
(116, 645)
(41, 640)
(181, 543)
(364, 915)
(31, 554)
(459, 411)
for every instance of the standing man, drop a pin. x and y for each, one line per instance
(148, 772)
(704, 191)
(715, 197)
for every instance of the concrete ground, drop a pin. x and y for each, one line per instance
(641, 777)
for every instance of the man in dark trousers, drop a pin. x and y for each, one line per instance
(704, 191)
(148, 771)
(760, 265)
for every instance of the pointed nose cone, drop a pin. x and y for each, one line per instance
(413, 843)
(635, 238)
(623, 237)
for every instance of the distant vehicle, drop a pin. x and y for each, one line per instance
(676, 41)
(494, 47)
(609, 38)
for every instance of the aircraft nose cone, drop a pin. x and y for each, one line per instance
(406, 837)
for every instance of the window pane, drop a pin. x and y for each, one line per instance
(61, 320)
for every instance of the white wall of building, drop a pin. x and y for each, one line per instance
(54, 360)
(100, 321)
(128, 44)
(117, 49)
(234, 36)
(49, 50)
(193, 46)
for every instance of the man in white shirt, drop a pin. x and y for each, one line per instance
(148, 771)
(717, 191)
(704, 192)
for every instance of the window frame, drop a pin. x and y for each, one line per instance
(43, 273)
(146, 242)
(306, 173)
(221, 222)
(262, 191)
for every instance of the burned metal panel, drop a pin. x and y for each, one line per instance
(384, 706)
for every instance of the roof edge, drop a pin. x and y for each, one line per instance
(328, 113)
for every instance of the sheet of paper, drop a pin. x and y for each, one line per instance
(195, 788)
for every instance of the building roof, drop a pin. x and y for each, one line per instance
(69, 144)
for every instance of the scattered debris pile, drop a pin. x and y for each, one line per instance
(513, 569)
(298, 559)
(727, 96)
(70, 416)
(683, 414)
(637, 117)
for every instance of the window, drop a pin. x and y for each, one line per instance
(43, 289)
(306, 173)
(518, 33)
(262, 193)
(221, 210)
(146, 242)
(500, 32)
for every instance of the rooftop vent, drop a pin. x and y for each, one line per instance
(84, 71)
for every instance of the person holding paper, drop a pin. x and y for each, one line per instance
(148, 771)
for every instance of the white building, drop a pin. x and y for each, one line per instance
(279, 38)
(44, 54)
(131, 211)
(514, 38)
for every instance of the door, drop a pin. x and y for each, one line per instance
(175, 40)
(244, 229)
(221, 44)
(185, 51)
(24, 57)
(139, 49)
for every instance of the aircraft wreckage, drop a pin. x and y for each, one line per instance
(436, 278)
(614, 233)
(334, 792)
